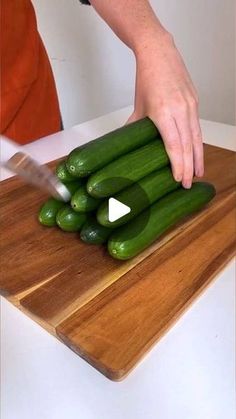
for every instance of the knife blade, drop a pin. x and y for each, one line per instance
(13, 158)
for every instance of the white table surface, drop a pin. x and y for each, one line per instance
(189, 374)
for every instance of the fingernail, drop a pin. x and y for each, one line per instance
(187, 184)
(177, 177)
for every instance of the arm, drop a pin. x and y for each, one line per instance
(164, 90)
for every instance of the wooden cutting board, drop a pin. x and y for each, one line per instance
(111, 312)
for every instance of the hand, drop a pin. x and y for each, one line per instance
(165, 93)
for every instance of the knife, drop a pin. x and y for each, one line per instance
(13, 158)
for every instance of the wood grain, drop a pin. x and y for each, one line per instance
(118, 327)
(75, 286)
(71, 288)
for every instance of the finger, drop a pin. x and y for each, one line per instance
(198, 157)
(168, 130)
(182, 119)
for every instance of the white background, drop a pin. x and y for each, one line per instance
(94, 71)
(189, 374)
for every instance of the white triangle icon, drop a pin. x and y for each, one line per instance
(116, 209)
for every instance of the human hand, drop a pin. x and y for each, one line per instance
(165, 93)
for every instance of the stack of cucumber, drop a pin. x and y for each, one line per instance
(131, 165)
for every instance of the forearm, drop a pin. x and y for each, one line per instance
(164, 91)
(133, 21)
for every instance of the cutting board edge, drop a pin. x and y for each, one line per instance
(120, 374)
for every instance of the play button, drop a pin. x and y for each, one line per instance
(116, 209)
(123, 208)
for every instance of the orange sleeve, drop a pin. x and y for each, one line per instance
(29, 104)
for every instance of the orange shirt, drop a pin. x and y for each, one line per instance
(29, 106)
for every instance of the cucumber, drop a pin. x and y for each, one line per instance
(81, 201)
(73, 186)
(87, 159)
(139, 196)
(127, 241)
(62, 172)
(94, 233)
(48, 212)
(69, 220)
(127, 169)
